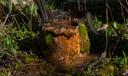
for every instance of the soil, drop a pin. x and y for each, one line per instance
(39, 68)
(31, 69)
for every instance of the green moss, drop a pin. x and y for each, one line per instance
(49, 39)
(17, 65)
(85, 42)
(29, 59)
(107, 70)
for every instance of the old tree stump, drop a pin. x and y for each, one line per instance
(66, 43)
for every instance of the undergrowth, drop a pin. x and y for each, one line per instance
(17, 24)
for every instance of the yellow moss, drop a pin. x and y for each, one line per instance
(85, 42)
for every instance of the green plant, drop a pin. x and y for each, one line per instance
(50, 5)
(4, 2)
(97, 23)
(30, 9)
(121, 61)
(11, 36)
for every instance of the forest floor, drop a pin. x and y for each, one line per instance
(21, 54)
